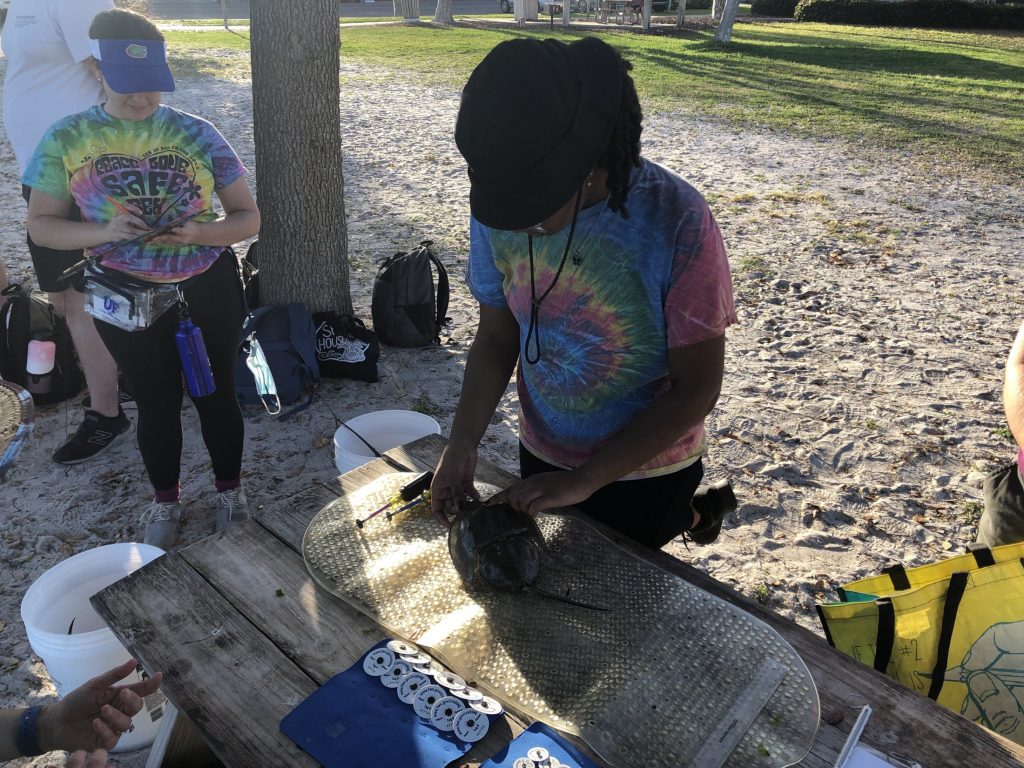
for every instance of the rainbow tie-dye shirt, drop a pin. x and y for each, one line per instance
(160, 169)
(630, 290)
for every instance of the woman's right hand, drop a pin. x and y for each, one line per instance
(124, 226)
(453, 481)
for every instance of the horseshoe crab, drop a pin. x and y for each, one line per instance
(498, 546)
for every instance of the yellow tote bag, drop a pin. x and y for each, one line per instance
(959, 641)
(896, 635)
(980, 659)
(897, 578)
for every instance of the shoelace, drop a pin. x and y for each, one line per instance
(230, 500)
(160, 512)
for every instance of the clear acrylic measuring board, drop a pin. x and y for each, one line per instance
(670, 676)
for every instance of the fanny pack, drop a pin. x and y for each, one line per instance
(124, 302)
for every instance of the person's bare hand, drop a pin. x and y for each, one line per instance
(94, 715)
(548, 490)
(453, 482)
(187, 233)
(124, 226)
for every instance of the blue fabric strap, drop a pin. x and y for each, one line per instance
(28, 732)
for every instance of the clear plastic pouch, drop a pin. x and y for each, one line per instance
(125, 303)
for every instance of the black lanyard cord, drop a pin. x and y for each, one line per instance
(533, 330)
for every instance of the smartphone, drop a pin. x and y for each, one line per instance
(96, 258)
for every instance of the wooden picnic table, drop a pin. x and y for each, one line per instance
(243, 634)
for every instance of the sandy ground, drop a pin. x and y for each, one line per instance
(861, 405)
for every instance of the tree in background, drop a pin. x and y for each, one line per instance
(724, 32)
(444, 13)
(303, 252)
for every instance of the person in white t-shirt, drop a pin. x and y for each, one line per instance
(47, 48)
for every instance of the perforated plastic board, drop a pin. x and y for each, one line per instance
(644, 684)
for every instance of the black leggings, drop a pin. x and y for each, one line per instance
(651, 511)
(150, 363)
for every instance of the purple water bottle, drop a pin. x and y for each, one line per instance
(195, 363)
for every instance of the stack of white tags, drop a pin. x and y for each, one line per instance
(538, 757)
(438, 696)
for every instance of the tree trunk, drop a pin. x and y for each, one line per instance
(716, 9)
(724, 33)
(647, 15)
(681, 14)
(410, 10)
(295, 107)
(444, 14)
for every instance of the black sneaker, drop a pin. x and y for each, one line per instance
(713, 505)
(94, 435)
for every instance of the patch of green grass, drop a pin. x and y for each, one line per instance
(1003, 432)
(762, 593)
(952, 96)
(753, 264)
(427, 407)
(971, 511)
(872, 425)
(784, 196)
(743, 197)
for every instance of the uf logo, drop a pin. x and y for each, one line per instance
(109, 305)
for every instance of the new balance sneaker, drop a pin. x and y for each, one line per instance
(232, 508)
(713, 505)
(160, 522)
(94, 434)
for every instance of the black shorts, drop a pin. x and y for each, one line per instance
(651, 511)
(50, 263)
(1002, 522)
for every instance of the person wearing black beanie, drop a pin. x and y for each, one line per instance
(603, 284)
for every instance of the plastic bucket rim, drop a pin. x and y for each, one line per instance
(352, 459)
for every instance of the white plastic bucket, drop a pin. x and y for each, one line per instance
(60, 596)
(383, 430)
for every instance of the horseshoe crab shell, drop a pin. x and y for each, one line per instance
(497, 546)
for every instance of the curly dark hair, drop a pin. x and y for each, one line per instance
(120, 24)
(623, 151)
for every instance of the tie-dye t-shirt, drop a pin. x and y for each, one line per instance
(630, 290)
(160, 169)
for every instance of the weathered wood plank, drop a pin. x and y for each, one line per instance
(267, 581)
(423, 454)
(322, 634)
(228, 678)
(288, 519)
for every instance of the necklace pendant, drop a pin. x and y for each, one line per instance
(577, 258)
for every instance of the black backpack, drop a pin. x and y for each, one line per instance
(406, 310)
(28, 316)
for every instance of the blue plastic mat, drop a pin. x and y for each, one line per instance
(540, 735)
(353, 721)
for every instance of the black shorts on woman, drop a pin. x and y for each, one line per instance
(49, 263)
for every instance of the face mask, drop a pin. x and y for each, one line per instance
(256, 362)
